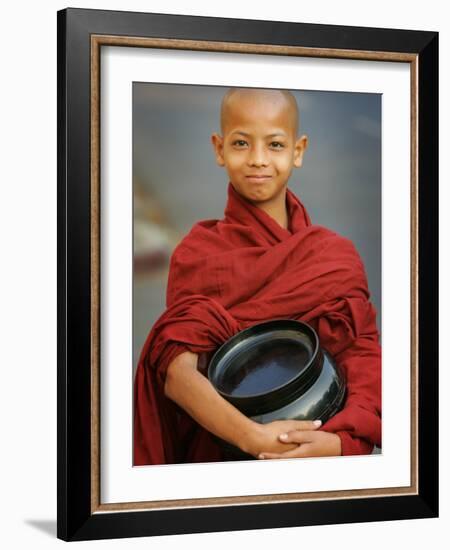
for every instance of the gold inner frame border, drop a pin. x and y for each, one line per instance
(97, 41)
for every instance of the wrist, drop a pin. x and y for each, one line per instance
(250, 440)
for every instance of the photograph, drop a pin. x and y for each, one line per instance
(257, 267)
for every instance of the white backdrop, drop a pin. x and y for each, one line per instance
(28, 277)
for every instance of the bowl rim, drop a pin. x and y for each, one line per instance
(292, 324)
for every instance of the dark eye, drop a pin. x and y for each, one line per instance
(240, 143)
(277, 145)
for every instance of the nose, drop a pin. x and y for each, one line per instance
(257, 155)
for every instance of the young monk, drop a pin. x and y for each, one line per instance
(263, 260)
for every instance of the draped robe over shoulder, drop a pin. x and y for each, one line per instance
(229, 274)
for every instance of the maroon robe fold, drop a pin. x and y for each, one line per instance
(229, 274)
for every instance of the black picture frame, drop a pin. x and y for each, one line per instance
(78, 513)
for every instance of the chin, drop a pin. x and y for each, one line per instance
(253, 194)
(256, 197)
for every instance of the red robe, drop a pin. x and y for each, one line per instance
(229, 274)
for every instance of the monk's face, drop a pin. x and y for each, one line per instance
(259, 147)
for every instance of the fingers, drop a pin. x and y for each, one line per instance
(305, 424)
(297, 436)
(298, 452)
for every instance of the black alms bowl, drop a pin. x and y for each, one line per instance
(277, 371)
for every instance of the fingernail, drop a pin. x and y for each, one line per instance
(317, 423)
(283, 436)
(261, 456)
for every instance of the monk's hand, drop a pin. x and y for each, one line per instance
(308, 444)
(266, 437)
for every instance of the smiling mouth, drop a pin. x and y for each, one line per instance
(258, 178)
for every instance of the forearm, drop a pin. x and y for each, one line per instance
(361, 415)
(362, 363)
(194, 393)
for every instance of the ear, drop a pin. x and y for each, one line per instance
(300, 147)
(217, 142)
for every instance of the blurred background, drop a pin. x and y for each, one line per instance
(176, 181)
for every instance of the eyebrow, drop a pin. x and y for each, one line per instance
(282, 134)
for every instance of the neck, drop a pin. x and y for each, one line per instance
(277, 210)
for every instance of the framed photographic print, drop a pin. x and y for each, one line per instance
(247, 242)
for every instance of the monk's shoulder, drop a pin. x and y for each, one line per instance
(335, 240)
(192, 244)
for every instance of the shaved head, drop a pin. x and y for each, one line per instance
(234, 96)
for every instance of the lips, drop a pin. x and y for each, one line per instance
(257, 178)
